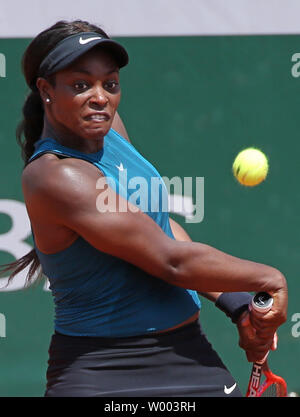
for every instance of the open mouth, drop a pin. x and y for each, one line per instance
(97, 117)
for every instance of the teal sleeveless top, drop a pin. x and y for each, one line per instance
(96, 294)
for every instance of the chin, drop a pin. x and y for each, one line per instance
(96, 133)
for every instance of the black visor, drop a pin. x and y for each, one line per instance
(72, 47)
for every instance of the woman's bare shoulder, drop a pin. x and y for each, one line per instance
(53, 188)
(49, 168)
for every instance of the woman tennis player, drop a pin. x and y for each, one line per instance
(125, 281)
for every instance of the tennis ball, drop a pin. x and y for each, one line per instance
(250, 167)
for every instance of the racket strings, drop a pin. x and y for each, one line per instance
(273, 390)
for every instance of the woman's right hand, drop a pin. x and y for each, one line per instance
(266, 324)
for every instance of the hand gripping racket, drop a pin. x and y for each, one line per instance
(273, 385)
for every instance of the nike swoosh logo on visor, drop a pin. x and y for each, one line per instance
(84, 41)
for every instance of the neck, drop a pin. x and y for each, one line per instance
(70, 139)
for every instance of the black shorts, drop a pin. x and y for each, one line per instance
(179, 363)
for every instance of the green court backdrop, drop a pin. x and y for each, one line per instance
(190, 104)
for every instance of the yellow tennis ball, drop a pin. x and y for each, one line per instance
(250, 167)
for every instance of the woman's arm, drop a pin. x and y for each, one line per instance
(181, 235)
(119, 126)
(255, 346)
(66, 192)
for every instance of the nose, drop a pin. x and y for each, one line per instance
(98, 97)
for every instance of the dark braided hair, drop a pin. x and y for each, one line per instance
(31, 127)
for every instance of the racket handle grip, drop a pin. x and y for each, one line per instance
(261, 303)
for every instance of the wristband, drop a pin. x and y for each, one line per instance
(233, 304)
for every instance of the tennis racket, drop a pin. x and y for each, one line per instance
(273, 385)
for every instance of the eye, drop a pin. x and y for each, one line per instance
(80, 85)
(112, 85)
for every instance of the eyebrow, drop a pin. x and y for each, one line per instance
(84, 71)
